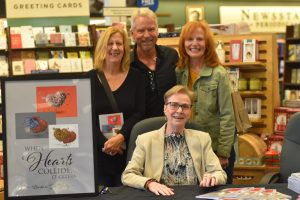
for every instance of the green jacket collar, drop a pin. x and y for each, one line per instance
(206, 71)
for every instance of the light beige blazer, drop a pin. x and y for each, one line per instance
(148, 158)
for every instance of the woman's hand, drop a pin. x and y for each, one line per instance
(208, 181)
(160, 189)
(114, 145)
(224, 162)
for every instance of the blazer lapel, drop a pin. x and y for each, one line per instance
(196, 153)
(158, 152)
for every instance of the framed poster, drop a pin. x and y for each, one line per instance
(96, 8)
(194, 13)
(48, 136)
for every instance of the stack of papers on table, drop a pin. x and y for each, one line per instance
(245, 193)
(294, 182)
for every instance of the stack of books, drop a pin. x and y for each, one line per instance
(294, 182)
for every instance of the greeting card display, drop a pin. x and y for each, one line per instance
(250, 50)
(236, 51)
(48, 136)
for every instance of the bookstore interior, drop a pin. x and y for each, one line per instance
(258, 45)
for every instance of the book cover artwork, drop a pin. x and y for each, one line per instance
(110, 124)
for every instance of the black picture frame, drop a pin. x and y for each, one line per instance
(2, 9)
(40, 162)
(96, 8)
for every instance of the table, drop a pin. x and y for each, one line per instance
(181, 193)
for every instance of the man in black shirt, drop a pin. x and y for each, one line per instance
(156, 62)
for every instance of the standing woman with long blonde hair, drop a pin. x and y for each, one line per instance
(126, 85)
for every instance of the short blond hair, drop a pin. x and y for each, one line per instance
(179, 89)
(143, 12)
(101, 48)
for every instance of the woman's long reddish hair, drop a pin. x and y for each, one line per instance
(210, 56)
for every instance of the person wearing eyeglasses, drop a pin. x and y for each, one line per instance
(156, 62)
(173, 155)
(200, 70)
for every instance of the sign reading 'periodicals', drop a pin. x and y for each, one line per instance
(261, 18)
(46, 8)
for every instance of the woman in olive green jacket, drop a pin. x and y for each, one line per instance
(199, 69)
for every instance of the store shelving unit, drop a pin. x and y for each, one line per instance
(266, 69)
(291, 39)
(49, 48)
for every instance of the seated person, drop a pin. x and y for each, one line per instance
(173, 155)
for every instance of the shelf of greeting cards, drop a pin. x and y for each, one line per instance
(253, 94)
(54, 48)
(257, 66)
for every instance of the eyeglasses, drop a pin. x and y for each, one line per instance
(175, 106)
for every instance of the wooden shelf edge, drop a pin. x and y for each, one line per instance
(244, 63)
(292, 39)
(259, 94)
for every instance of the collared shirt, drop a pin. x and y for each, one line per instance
(178, 164)
(158, 81)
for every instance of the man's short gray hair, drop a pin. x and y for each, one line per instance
(144, 12)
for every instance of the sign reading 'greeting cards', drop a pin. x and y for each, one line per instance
(46, 8)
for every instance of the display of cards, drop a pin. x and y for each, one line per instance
(37, 30)
(250, 50)
(57, 54)
(82, 28)
(41, 39)
(3, 66)
(236, 51)
(85, 54)
(15, 41)
(65, 66)
(42, 55)
(18, 68)
(65, 29)
(234, 75)
(29, 65)
(41, 64)
(70, 39)
(87, 64)
(3, 42)
(56, 39)
(84, 39)
(291, 52)
(72, 54)
(27, 40)
(75, 65)
(54, 63)
(27, 55)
